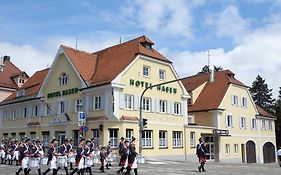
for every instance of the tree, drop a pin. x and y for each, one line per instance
(278, 119)
(262, 95)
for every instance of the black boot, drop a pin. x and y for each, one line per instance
(48, 170)
(66, 170)
(136, 171)
(203, 168)
(17, 163)
(102, 169)
(82, 171)
(28, 171)
(128, 171)
(107, 166)
(5, 161)
(57, 170)
(74, 171)
(199, 168)
(18, 172)
(25, 171)
(121, 170)
(2, 161)
(90, 171)
(54, 171)
(71, 166)
(39, 171)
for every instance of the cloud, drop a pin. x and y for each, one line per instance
(229, 23)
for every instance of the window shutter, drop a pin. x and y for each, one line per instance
(57, 107)
(181, 108)
(65, 107)
(102, 99)
(226, 121)
(168, 107)
(91, 103)
(136, 102)
(232, 99)
(153, 107)
(157, 105)
(121, 100)
(73, 105)
(231, 122)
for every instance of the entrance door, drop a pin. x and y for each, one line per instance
(269, 153)
(243, 152)
(210, 146)
(61, 137)
(251, 152)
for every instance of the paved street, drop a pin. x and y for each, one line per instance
(180, 168)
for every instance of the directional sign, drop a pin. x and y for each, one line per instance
(81, 119)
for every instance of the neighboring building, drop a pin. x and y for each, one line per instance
(235, 129)
(11, 78)
(107, 86)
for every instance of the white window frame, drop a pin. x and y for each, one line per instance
(243, 123)
(192, 140)
(63, 79)
(46, 138)
(236, 148)
(113, 137)
(78, 104)
(96, 136)
(36, 111)
(162, 74)
(244, 102)
(177, 108)
(253, 123)
(163, 106)
(263, 124)
(96, 103)
(129, 101)
(177, 138)
(235, 100)
(163, 143)
(5, 115)
(14, 114)
(229, 121)
(61, 107)
(270, 125)
(227, 149)
(146, 104)
(129, 134)
(25, 112)
(147, 139)
(146, 71)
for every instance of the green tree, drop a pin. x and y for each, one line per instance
(262, 95)
(278, 119)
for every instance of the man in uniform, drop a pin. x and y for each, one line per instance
(80, 158)
(201, 154)
(52, 158)
(24, 156)
(63, 154)
(124, 156)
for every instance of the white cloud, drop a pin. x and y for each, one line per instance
(229, 23)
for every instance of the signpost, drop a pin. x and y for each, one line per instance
(82, 122)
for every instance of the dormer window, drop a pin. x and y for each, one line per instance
(63, 79)
(20, 92)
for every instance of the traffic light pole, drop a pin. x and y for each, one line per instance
(140, 106)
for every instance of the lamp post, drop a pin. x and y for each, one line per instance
(140, 106)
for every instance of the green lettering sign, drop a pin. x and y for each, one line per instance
(63, 93)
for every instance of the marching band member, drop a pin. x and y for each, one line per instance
(80, 158)
(120, 148)
(124, 155)
(9, 153)
(70, 153)
(88, 159)
(24, 156)
(36, 156)
(15, 152)
(132, 160)
(2, 152)
(52, 158)
(63, 155)
(108, 157)
(102, 158)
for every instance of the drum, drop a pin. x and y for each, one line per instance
(61, 160)
(140, 160)
(88, 161)
(71, 159)
(33, 162)
(44, 161)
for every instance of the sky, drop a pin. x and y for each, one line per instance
(241, 35)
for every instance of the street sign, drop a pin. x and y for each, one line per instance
(81, 118)
(221, 132)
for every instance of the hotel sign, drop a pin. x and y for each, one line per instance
(144, 84)
(221, 132)
(63, 93)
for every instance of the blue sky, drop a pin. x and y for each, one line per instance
(243, 36)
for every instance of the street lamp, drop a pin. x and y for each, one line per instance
(140, 106)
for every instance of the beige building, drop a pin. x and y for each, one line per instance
(11, 78)
(106, 85)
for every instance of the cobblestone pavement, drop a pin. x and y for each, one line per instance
(178, 168)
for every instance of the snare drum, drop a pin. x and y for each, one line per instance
(61, 160)
(44, 161)
(88, 161)
(34, 162)
(71, 159)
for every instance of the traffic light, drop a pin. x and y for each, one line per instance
(144, 122)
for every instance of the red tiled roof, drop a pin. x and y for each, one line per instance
(6, 76)
(103, 66)
(213, 92)
(33, 84)
(84, 62)
(128, 118)
(262, 112)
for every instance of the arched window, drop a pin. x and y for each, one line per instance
(63, 79)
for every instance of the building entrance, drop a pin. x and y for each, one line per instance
(210, 146)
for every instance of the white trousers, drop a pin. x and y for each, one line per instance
(81, 164)
(16, 155)
(25, 162)
(53, 163)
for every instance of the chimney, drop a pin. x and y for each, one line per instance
(212, 76)
(6, 58)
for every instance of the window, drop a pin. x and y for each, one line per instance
(63, 79)
(20, 92)
(48, 109)
(147, 139)
(35, 110)
(253, 123)
(96, 136)
(263, 124)
(235, 148)
(270, 125)
(227, 149)
(61, 107)
(163, 139)
(129, 134)
(244, 102)
(146, 104)
(14, 114)
(32, 135)
(177, 108)
(162, 74)
(129, 101)
(78, 105)
(177, 138)
(229, 123)
(46, 138)
(235, 100)
(22, 135)
(97, 103)
(113, 137)
(192, 139)
(13, 135)
(163, 106)
(76, 137)
(5, 136)
(146, 71)
(243, 123)
(25, 112)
